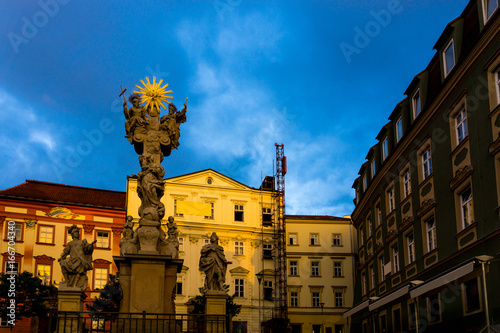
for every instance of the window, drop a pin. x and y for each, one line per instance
(461, 125)
(339, 328)
(102, 238)
(407, 183)
(337, 239)
(396, 320)
(314, 239)
(395, 258)
(433, 309)
(410, 243)
(412, 315)
(178, 286)
(399, 129)
(385, 149)
(383, 323)
(471, 295)
(497, 84)
(363, 284)
(369, 226)
(292, 239)
(426, 163)
(315, 299)
(238, 213)
(239, 288)
(294, 268)
(365, 183)
(339, 299)
(315, 268)
(417, 106)
(181, 244)
(390, 196)
(294, 298)
(14, 229)
(373, 168)
(11, 267)
(238, 248)
(361, 235)
(267, 217)
(337, 268)
(489, 7)
(268, 290)
(211, 217)
(467, 209)
(175, 208)
(100, 277)
(381, 268)
(268, 250)
(43, 271)
(46, 234)
(372, 277)
(430, 229)
(379, 214)
(448, 58)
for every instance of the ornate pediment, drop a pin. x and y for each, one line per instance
(460, 175)
(239, 271)
(210, 178)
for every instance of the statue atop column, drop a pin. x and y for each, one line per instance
(153, 139)
(74, 268)
(213, 262)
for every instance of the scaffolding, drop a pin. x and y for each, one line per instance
(280, 313)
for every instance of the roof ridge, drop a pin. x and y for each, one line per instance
(66, 185)
(18, 185)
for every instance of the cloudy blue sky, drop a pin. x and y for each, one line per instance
(319, 76)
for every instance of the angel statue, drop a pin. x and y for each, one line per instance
(136, 117)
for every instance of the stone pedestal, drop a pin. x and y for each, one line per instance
(148, 282)
(216, 306)
(70, 305)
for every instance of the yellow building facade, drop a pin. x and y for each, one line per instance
(238, 214)
(320, 264)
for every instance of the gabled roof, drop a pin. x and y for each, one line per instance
(316, 217)
(200, 178)
(59, 193)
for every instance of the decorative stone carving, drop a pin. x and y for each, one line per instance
(213, 262)
(153, 138)
(74, 268)
(170, 246)
(194, 239)
(426, 206)
(116, 231)
(88, 228)
(128, 243)
(460, 175)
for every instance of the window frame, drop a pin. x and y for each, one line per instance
(293, 239)
(485, 6)
(315, 268)
(431, 313)
(39, 239)
(391, 199)
(406, 183)
(451, 44)
(294, 298)
(212, 211)
(395, 258)
(314, 239)
(239, 248)
(337, 268)
(16, 229)
(97, 231)
(294, 267)
(385, 149)
(430, 237)
(94, 280)
(373, 167)
(336, 239)
(239, 209)
(416, 102)
(315, 299)
(426, 163)
(47, 265)
(339, 296)
(461, 125)
(176, 200)
(381, 264)
(399, 129)
(466, 205)
(465, 301)
(410, 247)
(239, 287)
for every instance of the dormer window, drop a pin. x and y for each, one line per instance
(385, 149)
(489, 7)
(399, 129)
(417, 105)
(373, 168)
(365, 183)
(449, 58)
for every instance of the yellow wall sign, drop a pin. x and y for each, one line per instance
(194, 208)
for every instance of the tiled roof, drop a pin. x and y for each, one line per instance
(60, 193)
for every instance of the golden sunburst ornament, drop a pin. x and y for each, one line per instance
(153, 94)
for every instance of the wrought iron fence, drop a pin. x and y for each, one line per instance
(87, 322)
